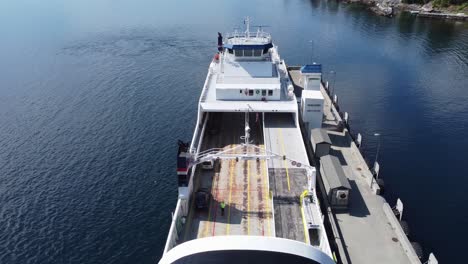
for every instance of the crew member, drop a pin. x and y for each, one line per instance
(222, 205)
(220, 42)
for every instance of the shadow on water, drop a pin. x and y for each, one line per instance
(438, 34)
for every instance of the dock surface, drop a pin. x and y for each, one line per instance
(365, 233)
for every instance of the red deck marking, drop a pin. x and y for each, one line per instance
(215, 204)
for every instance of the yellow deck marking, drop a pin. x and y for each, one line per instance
(207, 224)
(306, 237)
(248, 197)
(266, 188)
(284, 161)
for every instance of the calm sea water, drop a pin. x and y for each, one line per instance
(94, 95)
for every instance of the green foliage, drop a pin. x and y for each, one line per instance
(441, 3)
(463, 6)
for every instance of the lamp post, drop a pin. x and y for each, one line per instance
(311, 51)
(375, 161)
(378, 147)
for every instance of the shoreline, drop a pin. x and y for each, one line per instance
(390, 8)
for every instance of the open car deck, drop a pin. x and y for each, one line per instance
(242, 185)
(262, 196)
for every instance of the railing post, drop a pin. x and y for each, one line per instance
(399, 208)
(359, 140)
(432, 259)
(376, 169)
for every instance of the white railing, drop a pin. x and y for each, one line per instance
(240, 37)
(324, 243)
(309, 216)
(173, 232)
(182, 204)
(257, 34)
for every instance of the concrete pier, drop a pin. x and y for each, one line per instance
(367, 231)
(460, 16)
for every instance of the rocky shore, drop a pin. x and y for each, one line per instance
(392, 7)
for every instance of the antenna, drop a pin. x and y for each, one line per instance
(260, 29)
(261, 26)
(246, 136)
(311, 42)
(247, 26)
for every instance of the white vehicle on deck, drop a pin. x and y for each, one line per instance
(208, 165)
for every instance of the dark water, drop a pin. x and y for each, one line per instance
(94, 95)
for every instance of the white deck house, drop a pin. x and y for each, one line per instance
(249, 74)
(312, 98)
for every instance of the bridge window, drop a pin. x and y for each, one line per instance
(270, 92)
(263, 92)
(247, 52)
(250, 92)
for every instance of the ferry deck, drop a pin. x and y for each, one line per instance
(262, 197)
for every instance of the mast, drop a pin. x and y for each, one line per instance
(247, 27)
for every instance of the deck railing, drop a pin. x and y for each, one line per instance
(241, 35)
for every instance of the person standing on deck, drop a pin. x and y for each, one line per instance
(220, 42)
(222, 205)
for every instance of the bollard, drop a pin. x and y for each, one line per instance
(376, 169)
(432, 259)
(359, 140)
(399, 208)
(345, 117)
(335, 99)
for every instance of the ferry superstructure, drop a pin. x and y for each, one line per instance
(246, 188)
